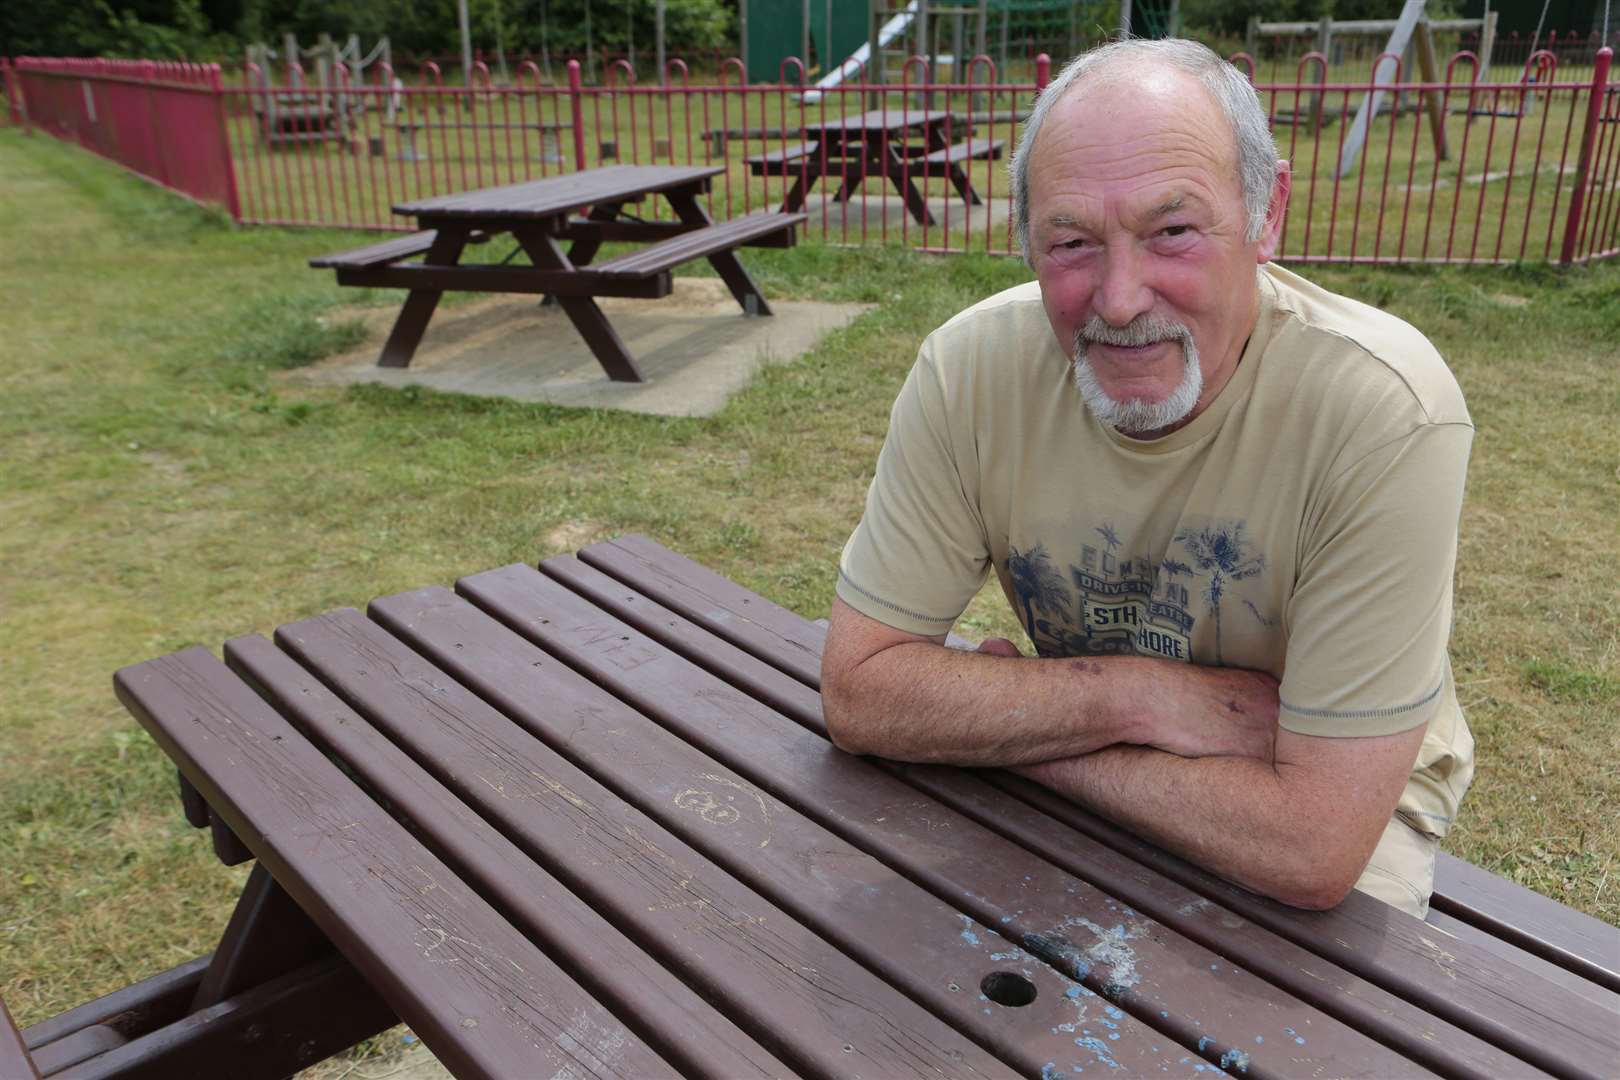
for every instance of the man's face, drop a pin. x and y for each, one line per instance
(1137, 236)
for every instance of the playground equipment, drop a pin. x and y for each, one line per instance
(299, 113)
(870, 39)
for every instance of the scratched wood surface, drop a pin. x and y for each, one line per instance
(591, 806)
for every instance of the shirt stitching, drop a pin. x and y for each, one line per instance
(1365, 714)
(876, 599)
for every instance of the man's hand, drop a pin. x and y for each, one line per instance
(1238, 710)
(1213, 712)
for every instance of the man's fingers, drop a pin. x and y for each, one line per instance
(998, 646)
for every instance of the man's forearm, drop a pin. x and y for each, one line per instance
(1246, 820)
(922, 702)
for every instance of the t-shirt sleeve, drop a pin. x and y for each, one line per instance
(920, 551)
(1370, 614)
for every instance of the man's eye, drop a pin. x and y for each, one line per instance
(1073, 245)
(1176, 230)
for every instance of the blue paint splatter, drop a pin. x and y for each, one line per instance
(1073, 991)
(967, 931)
(1236, 1057)
(1049, 1071)
(1203, 1043)
(1214, 967)
(1259, 1039)
(1100, 1048)
(1164, 1014)
(1297, 1038)
(1116, 1013)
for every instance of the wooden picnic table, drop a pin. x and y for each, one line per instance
(899, 145)
(584, 820)
(539, 214)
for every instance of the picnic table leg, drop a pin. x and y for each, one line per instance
(413, 317)
(583, 250)
(964, 188)
(907, 187)
(268, 936)
(725, 263)
(582, 311)
(799, 192)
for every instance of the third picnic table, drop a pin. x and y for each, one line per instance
(879, 144)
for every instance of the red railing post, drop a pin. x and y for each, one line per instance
(233, 201)
(1583, 165)
(14, 100)
(576, 102)
(1043, 72)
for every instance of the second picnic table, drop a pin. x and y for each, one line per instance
(877, 144)
(540, 214)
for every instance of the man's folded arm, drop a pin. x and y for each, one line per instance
(1300, 830)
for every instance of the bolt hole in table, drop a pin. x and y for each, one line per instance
(585, 209)
(582, 819)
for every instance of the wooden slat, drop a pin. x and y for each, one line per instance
(82, 1045)
(880, 120)
(698, 243)
(1517, 959)
(663, 1010)
(511, 279)
(1356, 997)
(797, 994)
(387, 251)
(132, 1010)
(486, 1001)
(266, 1033)
(967, 150)
(919, 944)
(1184, 990)
(1553, 931)
(772, 633)
(14, 1058)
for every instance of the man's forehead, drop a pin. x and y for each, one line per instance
(1144, 207)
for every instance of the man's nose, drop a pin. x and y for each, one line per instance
(1123, 293)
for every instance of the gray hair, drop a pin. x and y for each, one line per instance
(1230, 89)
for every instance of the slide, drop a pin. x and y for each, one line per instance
(863, 55)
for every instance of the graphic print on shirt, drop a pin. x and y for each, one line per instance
(1130, 604)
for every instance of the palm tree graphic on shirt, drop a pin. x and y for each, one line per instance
(1222, 552)
(1038, 585)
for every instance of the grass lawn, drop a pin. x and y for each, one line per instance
(160, 492)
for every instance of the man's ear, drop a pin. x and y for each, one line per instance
(1271, 236)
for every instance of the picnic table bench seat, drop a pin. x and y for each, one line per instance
(967, 150)
(385, 252)
(773, 162)
(763, 228)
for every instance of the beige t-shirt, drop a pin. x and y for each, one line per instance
(1305, 524)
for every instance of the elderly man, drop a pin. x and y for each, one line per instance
(1223, 502)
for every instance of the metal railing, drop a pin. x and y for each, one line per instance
(1516, 164)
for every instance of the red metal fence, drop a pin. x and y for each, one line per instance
(160, 120)
(1514, 164)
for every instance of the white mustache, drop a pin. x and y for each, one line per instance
(1140, 331)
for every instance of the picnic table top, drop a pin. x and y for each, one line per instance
(880, 120)
(632, 851)
(538, 199)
